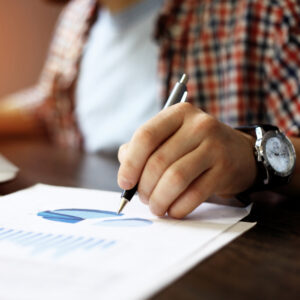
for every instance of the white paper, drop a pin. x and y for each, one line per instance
(194, 258)
(8, 171)
(112, 257)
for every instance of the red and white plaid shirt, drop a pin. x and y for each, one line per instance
(242, 58)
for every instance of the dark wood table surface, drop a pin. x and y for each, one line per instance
(264, 263)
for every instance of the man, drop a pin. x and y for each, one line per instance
(242, 58)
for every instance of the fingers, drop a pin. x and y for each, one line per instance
(180, 158)
(146, 140)
(177, 178)
(177, 146)
(200, 190)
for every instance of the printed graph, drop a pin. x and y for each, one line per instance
(59, 244)
(75, 215)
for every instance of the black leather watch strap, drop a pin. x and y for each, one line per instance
(251, 128)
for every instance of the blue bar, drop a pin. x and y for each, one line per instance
(105, 246)
(29, 236)
(77, 245)
(38, 240)
(19, 238)
(42, 240)
(13, 236)
(74, 242)
(48, 245)
(65, 249)
(50, 241)
(94, 244)
(28, 240)
(11, 233)
(5, 232)
(62, 242)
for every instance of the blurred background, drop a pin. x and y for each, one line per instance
(26, 27)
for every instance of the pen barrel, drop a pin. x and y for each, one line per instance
(176, 95)
(128, 194)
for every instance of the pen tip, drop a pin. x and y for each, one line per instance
(124, 201)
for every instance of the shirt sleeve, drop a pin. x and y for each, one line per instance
(30, 98)
(282, 69)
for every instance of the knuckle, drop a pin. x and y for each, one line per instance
(210, 124)
(177, 177)
(155, 166)
(197, 125)
(127, 168)
(145, 136)
(202, 122)
(157, 161)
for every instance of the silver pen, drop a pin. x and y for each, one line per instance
(178, 94)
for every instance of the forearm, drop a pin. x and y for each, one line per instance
(17, 120)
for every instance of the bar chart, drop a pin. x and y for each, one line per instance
(58, 244)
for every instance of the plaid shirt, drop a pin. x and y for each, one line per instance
(242, 58)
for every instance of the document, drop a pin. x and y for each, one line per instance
(8, 171)
(69, 243)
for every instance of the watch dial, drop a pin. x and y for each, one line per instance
(279, 155)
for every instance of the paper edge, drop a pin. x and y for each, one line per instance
(206, 251)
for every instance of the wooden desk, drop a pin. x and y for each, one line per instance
(264, 263)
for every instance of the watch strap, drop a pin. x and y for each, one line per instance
(250, 129)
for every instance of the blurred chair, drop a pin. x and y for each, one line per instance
(26, 27)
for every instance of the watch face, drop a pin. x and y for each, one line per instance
(280, 154)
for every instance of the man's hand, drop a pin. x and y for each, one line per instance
(183, 156)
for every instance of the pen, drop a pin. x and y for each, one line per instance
(178, 94)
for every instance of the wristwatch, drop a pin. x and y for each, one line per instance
(275, 156)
